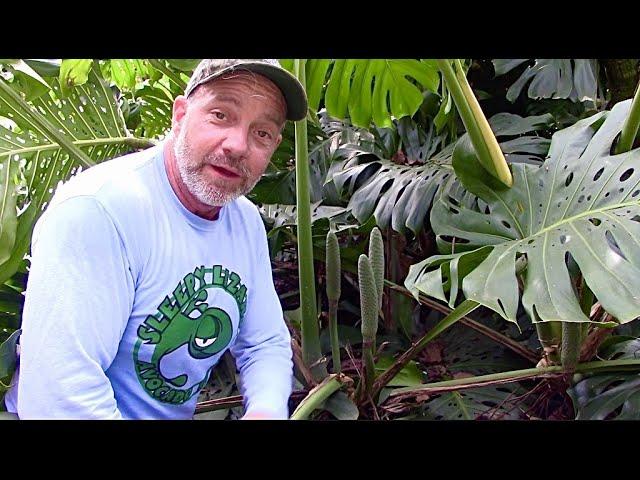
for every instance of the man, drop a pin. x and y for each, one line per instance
(147, 268)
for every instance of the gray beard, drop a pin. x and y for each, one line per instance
(204, 191)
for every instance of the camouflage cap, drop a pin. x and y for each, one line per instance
(292, 90)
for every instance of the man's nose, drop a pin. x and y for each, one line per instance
(236, 141)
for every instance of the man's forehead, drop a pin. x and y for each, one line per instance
(232, 85)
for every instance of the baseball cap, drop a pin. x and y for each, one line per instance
(292, 90)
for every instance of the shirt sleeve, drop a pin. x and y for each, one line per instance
(263, 346)
(78, 300)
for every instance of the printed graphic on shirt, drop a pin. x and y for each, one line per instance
(175, 346)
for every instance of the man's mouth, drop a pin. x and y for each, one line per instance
(225, 171)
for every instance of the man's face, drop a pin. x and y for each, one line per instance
(225, 134)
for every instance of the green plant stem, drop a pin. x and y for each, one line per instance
(482, 137)
(22, 109)
(630, 127)
(460, 311)
(550, 336)
(318, 395)
(570, 350)
(369, 370)
(516, 375)
(310, 333)
(333, 331)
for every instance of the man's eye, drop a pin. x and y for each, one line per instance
(219, 115)
(264, 134)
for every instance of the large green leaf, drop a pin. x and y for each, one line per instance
(89, 125)
(156, 106)
(575, 79)
(581, 205)
(610, 396)
(488, 403)
(371, 90)
(74, 72)
(278, 184)
(25, 78)
(401, 195)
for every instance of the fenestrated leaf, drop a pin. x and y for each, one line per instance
(316, 80)
(553, 78)
(610, 396)
(504, 65)
(278, 184)
(88, 119)
(283, 215)
(374, 90)
(486, 402)
(582, 202)
(156, 106)
(401, 195)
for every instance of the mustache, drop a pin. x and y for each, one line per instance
(226, 162)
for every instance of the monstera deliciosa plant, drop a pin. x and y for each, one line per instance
(563, 239)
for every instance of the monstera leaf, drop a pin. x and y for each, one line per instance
(278, 184)
(46, 141)
(610, 396)
(401, 195)
(369, 90)
(582, 205)
(575, 79)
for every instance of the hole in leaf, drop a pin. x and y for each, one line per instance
(453, 200)
(567, 182)
(449, 239)
(635, 194)
(506, 224)
(580, 198)
(563, 239)
(626, 175)
(636, 218)
(598, 174)
(595, 221)
(613, 244)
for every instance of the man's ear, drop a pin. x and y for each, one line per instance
(179, 111)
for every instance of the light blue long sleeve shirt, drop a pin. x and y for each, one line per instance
(132, 300)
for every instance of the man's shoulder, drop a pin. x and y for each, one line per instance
(123, 180)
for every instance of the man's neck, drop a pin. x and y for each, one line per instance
(190, 202)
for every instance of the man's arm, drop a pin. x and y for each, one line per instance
(79, 297)
(263, 347)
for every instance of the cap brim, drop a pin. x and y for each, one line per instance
(292, 90)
